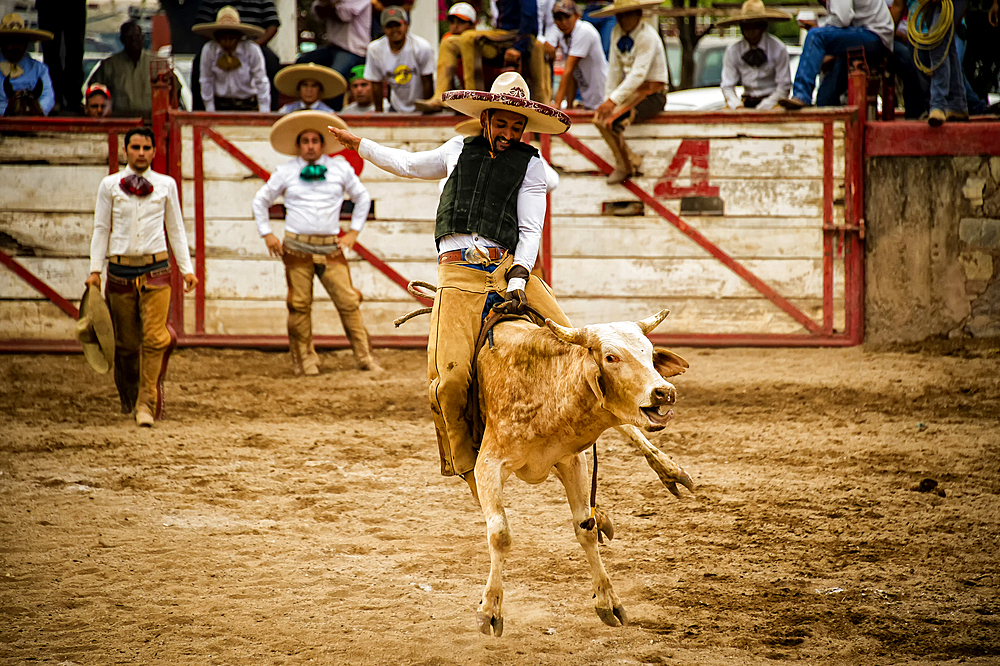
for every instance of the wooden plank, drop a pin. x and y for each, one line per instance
(586, 130)
(65, 275)
(50, 188)
(48, 234)
(752, 225)
(36, 320)
(55, 148)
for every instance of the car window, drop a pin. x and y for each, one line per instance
(710, 68)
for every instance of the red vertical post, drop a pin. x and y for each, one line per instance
(199, 231)
(161, 76)
(546, 141)
(174, 166)
(828, 227)
(112, 152)
(854, 290)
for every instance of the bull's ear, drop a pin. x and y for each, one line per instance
(592, 371)
(667, 363)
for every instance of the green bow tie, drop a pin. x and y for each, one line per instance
(313, 172)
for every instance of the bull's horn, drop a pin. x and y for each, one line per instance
(573, 336)
(649, 323)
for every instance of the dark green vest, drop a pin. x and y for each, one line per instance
(480, 196)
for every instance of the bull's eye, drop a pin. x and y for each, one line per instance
(611, 358)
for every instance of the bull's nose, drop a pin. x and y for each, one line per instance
(664, 395)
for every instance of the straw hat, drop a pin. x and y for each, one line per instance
(287, 80)
(469, 127)
(227, 19)
(754, 10)
(95, 331)
(285, 132)
(509, 93)
(12, 25)
(619, 6)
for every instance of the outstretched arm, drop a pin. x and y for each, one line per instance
(430, 164)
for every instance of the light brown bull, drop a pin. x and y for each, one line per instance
(546, 395)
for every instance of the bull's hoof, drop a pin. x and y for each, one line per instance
(490, 625)
(613, 617)
(605, 528)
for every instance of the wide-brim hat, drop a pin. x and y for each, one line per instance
(510, 93)
(470, 127)
(95, 331)
(287, 79)
(619, 6)
(286, 131)
(228, 18)
(12, 25)
(754, 10)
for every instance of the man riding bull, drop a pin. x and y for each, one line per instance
(489, 224)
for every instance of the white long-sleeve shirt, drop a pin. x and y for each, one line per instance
(440, 162)
(646, 61)
(129, 225)
(249, 79)
(871, 14)
(312, 207)
(772, 80)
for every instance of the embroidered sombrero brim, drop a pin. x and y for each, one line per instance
(541, 118)
(769, 15)
(208, 30)
(287, 80)
(285, 132)
(625, 6)
(30, 34)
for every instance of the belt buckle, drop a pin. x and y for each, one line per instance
(473, 255)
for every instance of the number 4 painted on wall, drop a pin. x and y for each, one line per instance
(695, 150)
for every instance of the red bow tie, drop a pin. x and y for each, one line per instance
(137, 185)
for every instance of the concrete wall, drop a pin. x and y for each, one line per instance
(933, 248)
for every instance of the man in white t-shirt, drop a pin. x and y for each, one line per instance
(405, 61)
(586, 68)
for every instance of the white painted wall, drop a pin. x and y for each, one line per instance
(285, 44)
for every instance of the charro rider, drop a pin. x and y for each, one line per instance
(134, 208)
(489, 223)
(314, 186)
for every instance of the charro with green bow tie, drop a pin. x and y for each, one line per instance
(313, 172)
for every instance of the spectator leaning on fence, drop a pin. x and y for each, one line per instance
(232, 77)
(461, 19)
(758, 62)
(314, 187)
(362, 97)
(637, 78)
(851, 25)
(348, 32)
(19, 70)
(97, 101)
(127, 75)
(311, 83)
(404, 61)
(586, 68)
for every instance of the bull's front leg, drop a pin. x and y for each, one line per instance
(670, 473)
(575, 479)
(490, 476)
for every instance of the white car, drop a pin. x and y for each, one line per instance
(710, 98)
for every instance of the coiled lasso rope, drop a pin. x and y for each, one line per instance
(943, 28)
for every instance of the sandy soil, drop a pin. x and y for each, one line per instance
(274, 520)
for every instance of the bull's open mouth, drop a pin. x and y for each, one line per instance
(657, 415)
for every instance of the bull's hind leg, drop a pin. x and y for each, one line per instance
(574, 477)
(490, 476)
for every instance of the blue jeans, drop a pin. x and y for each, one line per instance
(947, 82)
(976, 103)
(337, 59)
(828, 40)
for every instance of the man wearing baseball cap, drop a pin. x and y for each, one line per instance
(586, 68)
(363, 100)
(97, 101)
(403, 61)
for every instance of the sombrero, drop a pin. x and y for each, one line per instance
(469, 127)
(227, 19)
(754, 10)
(95, 331)
(12, 25)
(509, 93)
(289, 127)
(287, 80)
(619, 6)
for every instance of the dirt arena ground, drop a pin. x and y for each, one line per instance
(274, 520)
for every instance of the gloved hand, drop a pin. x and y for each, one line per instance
(515, 302)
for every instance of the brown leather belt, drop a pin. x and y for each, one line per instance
(139, 260)
(324, 239)
(458, 256)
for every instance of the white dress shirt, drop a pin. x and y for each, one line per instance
(128, 225)
(440, 162)
(312, 206)
(772, 80)
(249, 79)
(646, 61)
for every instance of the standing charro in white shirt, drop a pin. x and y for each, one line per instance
(489, 223)
(314, 187)
(233, 74)
(758, 62)
(134, 209)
